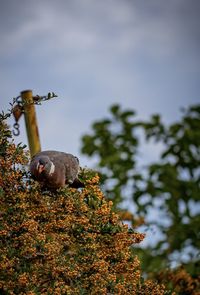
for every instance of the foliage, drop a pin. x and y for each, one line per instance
(180, 281)
(170, 187)
(69, 242)
(115, 143)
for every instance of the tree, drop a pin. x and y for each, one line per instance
(170, 187)
(66, 242)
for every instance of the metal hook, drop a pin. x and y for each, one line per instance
(16, 131)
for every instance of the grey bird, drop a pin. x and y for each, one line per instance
(55, 169)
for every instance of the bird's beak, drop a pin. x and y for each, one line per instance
(40, 168)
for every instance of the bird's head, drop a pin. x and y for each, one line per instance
(44, 164)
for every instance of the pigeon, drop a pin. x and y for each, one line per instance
(55, 169)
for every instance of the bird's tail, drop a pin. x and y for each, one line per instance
(77, 183)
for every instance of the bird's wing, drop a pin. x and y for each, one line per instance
(71, 165)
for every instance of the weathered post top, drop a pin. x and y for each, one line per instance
(31, 122)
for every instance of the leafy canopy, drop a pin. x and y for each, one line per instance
(169, 187)
(68, 242)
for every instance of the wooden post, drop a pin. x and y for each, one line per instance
(31, 122)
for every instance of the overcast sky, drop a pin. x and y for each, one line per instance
(141, 54)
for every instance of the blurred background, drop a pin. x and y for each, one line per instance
(141, 54)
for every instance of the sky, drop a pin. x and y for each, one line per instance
(142, 54)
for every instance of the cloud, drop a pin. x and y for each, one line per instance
(144, 55)
(105, 26)
(141, 54)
